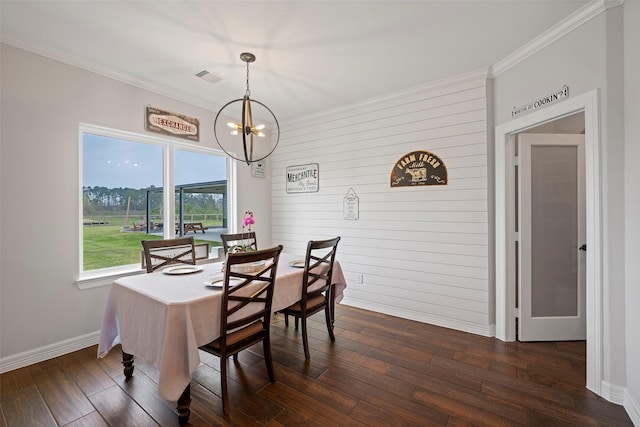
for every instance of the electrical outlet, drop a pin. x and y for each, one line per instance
(359, 277)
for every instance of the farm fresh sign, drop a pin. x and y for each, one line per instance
(302, 178)
(418, 168)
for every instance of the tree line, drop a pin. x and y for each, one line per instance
(103, 200)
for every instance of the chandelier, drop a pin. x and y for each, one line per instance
(228, 139)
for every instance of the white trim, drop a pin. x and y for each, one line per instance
(632, 407)
(105, 276)
(48, 352)
(554, 33)
(505, 311)
(105, 70)
(478, 74)
(568, 24)
(613, 393)
(232, 195)
(472, 328)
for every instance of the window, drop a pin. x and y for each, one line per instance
(136, 187)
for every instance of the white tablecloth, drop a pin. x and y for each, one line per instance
(163, 319)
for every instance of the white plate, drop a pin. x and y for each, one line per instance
(219, 283)
(298, 263)
(182, 269)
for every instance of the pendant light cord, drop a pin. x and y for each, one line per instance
(248, 93)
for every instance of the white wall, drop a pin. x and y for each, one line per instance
(422, 251)
(587, 58)
(632, 202)
(42, 103)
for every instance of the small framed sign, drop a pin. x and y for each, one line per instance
(351, 205)
(172, 124)
(258, 169)
(302, 178)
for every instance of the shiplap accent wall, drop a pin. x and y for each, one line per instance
(422, 251)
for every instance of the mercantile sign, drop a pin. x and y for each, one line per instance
(302, 178)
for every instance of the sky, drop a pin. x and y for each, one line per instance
(113, 163)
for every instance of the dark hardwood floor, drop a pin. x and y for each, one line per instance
(381, 371)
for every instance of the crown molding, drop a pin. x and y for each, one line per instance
(104, 70)
(554, 33)
(480, 74)
(568, 24)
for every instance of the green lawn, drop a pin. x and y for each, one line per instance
(109, 246)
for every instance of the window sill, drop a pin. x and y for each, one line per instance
(105, 277)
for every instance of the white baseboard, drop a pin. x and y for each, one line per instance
(633, 408)
(48, 352)
(484, 330)
(613, 393)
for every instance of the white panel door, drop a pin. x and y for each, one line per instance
(552, 296)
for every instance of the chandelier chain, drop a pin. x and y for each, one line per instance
(248, 93)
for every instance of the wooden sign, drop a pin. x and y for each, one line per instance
(172, 124)
(418, 168)
(302, 178)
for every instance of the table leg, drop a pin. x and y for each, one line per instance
(127, 361)
(183, 406)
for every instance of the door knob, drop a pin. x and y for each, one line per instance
(583, 248)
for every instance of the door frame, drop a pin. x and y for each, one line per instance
(504, 192)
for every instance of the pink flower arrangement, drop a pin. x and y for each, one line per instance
(248, 221)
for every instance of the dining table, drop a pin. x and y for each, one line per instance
(163, 317)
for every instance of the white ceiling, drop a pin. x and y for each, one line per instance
(311, 55)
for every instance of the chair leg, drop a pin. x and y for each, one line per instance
(305, 341)
(332, 302)
(286, 320)
(266, 345)
(296, 319)
(329, 319)
(223, 381)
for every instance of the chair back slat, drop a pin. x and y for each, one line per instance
(162, 253)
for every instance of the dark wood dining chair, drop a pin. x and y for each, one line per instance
(246, 239)
(246, 311)
(161, 253)
(317, 289)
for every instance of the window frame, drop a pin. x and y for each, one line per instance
(106, 276)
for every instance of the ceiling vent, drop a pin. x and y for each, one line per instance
(209, 76)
